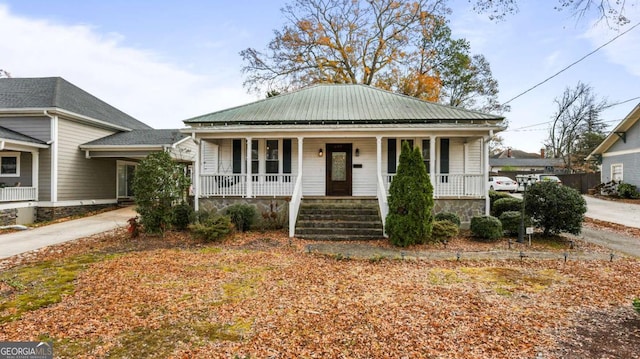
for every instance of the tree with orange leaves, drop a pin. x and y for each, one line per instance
(400, 45)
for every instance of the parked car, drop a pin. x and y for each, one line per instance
(533, 178)
(502, 184)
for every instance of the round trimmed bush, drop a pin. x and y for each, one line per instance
(443, 230)
(506, 204)
(495, 195)
(183, 215)
(511, 221)
(627, 190)
(242, 216)
(448, 216)
(487, 227)
(555, 208)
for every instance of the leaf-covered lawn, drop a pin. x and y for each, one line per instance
(262, 297)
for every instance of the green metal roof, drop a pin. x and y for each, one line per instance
(340, 104)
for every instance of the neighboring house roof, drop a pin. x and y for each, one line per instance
(341, 104)
(510, 153)
(7, 134)
(55, 92)
(146, 137)
(525, 162)
(611, 139)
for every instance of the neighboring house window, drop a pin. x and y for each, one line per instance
(616, 172)
(10, 164)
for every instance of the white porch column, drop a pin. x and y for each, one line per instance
(379, 155)
(249, 193)
(196, 174)
(300, 154)
(432, 161)
(485, 166)
(35, 167)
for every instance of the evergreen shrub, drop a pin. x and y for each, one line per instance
(444, 230)
(487, 227)
(242, 216)
(410, 201)
(506, 204)
(555, 208)
(627, 190)
(448, 216)
(183, 215)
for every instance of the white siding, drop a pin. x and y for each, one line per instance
(78, 177)
(365, 179)
(313, 168)
(474, 156)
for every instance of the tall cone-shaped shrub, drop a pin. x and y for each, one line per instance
(410, 201)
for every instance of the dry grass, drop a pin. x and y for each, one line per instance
(259, 295)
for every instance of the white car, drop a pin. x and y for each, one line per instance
(502, 184)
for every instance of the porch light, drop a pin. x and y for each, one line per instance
(357, 152)
(320, 153)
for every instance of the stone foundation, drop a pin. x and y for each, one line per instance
(272, 212)
(8, 216)
(465, 208)
(52, 213)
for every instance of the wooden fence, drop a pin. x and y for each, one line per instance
(580, 181)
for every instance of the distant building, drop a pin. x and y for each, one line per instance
(619, 152)
(516, 160)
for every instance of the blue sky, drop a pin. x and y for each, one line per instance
(165, 61)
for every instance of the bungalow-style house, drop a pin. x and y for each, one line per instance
(516, 160)
(619, 152)
(334, 149)
(64, 151)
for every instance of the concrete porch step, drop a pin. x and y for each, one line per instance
(330, 218)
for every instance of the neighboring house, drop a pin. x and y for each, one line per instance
(619, 153)
(515, 160)
(338, 142)
(64, 151)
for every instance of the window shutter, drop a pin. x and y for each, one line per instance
(391, 155)
(210, 157)
(444, 155)
(237, 156)
(286, 155)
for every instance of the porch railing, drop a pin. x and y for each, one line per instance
(235, 185)
(382, 201)
(294, 206)
(14, 194)
(452, 185)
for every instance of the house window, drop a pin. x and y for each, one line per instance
(10, 164)
(272, 163)
(616, 172)
(255, 162)
(426, 154)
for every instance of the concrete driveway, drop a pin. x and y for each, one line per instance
(31, 239)
(612, 211)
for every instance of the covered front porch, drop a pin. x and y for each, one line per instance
(341, 165)
(19, 168)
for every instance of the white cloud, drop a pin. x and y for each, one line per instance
(623, 51)
(134, 80)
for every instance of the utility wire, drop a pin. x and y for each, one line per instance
(547, 122)
(573, 63)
